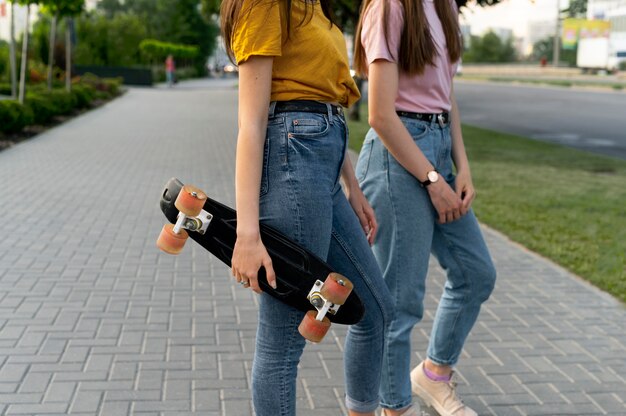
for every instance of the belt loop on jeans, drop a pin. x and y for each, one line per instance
(272, 109)
(329, 110)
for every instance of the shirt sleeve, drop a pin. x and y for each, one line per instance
(376, 43)
(258, 30)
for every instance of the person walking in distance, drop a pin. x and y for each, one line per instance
(294, 80)
(409, 49)
(170, 70)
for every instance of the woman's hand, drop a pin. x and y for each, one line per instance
(447, 203)
(465, 190)
(364, 212)
(249, 256)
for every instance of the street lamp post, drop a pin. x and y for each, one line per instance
(556, 49)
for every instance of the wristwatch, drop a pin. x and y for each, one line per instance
(431, 177)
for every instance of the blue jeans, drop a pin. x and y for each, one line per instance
(301, 196)
(408, 233)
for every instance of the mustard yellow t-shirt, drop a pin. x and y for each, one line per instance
(312, 64)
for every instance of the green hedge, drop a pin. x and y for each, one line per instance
(41, 106)
(14, 116)
(155, 49)
(5, 89)
(43, 109)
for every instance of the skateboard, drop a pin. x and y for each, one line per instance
(303, 280)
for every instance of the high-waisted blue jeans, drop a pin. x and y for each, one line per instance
(408, 233)
(301, 196)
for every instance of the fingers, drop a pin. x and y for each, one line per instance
(468, 198)
(365, 223)
(371, 236)
(451, 213)
(371, 226)
(242, 278)
(269, 272)
(250, 279)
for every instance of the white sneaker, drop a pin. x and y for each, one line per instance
(438, 394)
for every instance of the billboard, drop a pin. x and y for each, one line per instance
(574, 29)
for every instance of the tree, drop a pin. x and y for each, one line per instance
(58, 9)
(490, 48)
(545, 47)
(173, 21)
(210, 8)
(576, 9)
(22, 87)
(13, 53)
(110, 41)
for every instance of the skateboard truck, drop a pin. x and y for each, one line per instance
(199, 223)
(322, 305)
(191, 216)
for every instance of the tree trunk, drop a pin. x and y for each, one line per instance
(24, 57)
(68, 55)
(53, 34)
(12, 55)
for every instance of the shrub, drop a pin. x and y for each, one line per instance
(5, 89)
(83, 94)
(14, 116)
(64, 102)
(42, 108)
(110, 86)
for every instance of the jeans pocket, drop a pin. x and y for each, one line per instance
(307, 125)
(363, 163)
(418, 129)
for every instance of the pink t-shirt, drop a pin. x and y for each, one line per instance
(425, 93)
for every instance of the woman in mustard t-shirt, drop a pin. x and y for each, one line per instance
(294, 80)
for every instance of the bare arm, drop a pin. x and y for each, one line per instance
(255, 80)
(464, 187)
(383, 90)
(359, 203)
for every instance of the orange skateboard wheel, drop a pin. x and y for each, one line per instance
(336, 288)
(312, 329)
(169, 241)
(190, 200)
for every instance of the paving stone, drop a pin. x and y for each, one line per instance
(94, 320)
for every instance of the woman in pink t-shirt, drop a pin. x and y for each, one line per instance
(414, 170)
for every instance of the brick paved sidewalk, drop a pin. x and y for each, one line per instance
(94, 320)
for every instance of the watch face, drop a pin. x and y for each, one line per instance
(433, 176)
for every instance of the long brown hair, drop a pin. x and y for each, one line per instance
(231, 11)
(417, 48)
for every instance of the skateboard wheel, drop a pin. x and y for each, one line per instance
(169, 241)
(190, 200)
(336, 288)
(312, 329)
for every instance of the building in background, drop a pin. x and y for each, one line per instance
(538, 30)
(612, 10)
(20, 18)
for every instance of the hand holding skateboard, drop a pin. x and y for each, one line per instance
(298, 272)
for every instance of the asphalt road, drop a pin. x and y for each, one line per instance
(585, 119)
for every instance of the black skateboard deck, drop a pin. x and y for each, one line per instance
(296, 269)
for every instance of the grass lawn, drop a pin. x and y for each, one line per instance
(565, 204)
(617, 85)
